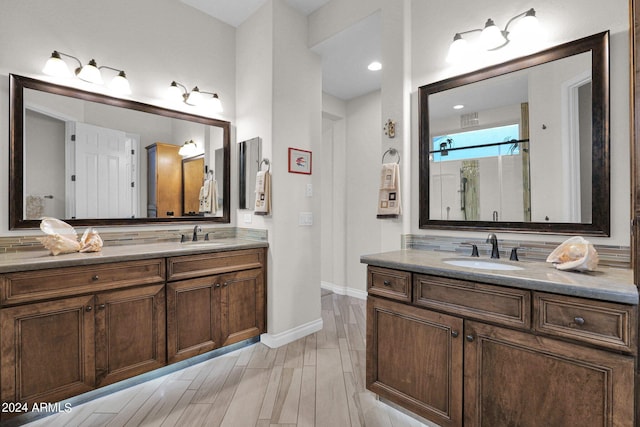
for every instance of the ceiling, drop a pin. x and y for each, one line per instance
(345, 56)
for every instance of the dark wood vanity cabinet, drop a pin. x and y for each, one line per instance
(523, 358)
(214, 300)
(55, 348)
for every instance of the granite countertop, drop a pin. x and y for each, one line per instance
(606, 284)
(37, 260)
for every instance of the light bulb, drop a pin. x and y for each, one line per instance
(90, 73)
(458, 50)
(120, 84)
(491, 37)
(56, 67)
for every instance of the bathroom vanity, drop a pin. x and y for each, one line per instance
(532, 346)
(73, 323)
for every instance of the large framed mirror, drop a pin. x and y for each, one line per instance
(520, 146)
(91, 159)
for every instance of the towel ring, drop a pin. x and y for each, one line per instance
(393, 152)
(266, 162)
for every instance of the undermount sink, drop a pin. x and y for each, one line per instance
(201, 243)
(482, 265)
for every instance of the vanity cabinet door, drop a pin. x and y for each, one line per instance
(516, 378)
(193, 317)
(130, 333)
(414, 359)
(243, 305)
(47, 350)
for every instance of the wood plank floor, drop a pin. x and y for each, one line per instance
(318, 380)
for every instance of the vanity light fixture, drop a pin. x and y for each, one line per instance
(196, 97)
(57, 67)
(492, 37)
(188, 149)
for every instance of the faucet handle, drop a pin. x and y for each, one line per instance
(514, 254)
(474, 248)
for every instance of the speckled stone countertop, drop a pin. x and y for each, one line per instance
(606, 284)
(37, 260)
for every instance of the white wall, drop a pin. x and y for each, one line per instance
(154, 41)
(280, 100)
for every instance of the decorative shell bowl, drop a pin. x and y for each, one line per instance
(576, 254)
(61, 238)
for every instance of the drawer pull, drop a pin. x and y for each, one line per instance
(470, 338)
(102, 306)
(579, 320)
(454, 334)
(88, 308)
(386, 283)
(217, 285)
(96, 277)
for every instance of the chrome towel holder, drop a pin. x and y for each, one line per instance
(393, 152)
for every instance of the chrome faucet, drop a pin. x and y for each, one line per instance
(195, 233)
(493, 239)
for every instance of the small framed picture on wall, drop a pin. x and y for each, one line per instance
(299, 161)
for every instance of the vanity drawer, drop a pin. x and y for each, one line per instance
(389, 283)
(49, 283)
(496, 304)
(190, 266)
(600, 323)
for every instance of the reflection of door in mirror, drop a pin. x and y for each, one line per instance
(164, 181)
(192, 178)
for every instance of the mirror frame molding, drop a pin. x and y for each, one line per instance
(598, 45)
(16, 152)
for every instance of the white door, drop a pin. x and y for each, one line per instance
(105, 184)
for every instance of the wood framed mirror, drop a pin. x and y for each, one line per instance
(80, 156)
(526, 150)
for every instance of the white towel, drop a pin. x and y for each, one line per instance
(208, 197)
(263, 193)
(389, 203)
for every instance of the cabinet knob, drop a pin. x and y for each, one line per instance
(386, 283)
(218, 285)
(102, 306)
(454, 334)
(95, 277)
(470, 338)
(579, 320)
(225, 284)
(88, 308)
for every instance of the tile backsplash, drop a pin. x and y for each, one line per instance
(613, 256)
(30, 243)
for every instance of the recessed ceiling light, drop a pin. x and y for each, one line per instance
(458, 107)
(375, 66)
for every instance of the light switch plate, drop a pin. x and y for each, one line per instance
(247, 218)
(309, 192)
(305, 218)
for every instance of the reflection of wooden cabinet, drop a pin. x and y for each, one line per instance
(530, 358)
(164, 181)
(57, 345)
(216, 300)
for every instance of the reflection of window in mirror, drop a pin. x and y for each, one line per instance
(249, 157)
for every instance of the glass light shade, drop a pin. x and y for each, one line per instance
(56, 67)
(195, 97)
(120, 84)
(90, 73)
(174, 92)
(491, 37)
(458, 50)
(188, 149)
(215, 104)
(374, 66)
(527, 28)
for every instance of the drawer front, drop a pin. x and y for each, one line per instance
(389, 283)
(36, 285)
(189, 266)
(506, 306)
(601, 323)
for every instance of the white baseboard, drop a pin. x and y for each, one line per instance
(284, 338)
(343, 290)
